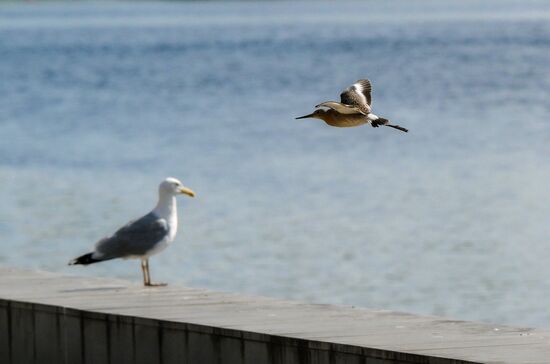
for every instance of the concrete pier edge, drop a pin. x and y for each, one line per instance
(52, 318)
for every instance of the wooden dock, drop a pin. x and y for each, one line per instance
(52, 318)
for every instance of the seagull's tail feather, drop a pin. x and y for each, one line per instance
(84, 260)
(398, 127)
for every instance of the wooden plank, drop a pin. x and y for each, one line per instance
(72, 341)
(22, 333)
(96, 339)
(173, 345)
(47, 337)
(122, 340)
(5, 332)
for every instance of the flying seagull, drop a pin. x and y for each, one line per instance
(146, 236)
(354, 109)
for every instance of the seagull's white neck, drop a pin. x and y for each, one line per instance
(166, 206)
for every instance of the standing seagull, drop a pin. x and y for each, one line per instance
(354, 109)
(141, 238)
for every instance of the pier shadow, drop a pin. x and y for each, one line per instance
(93, 289)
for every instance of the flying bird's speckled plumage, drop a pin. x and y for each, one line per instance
(358, 95)
(144, 237)
(354, 109)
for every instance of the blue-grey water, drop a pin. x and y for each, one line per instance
(100, 101)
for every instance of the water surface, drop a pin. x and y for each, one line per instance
(100, 101)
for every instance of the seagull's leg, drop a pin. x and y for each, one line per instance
(145, 270)
(149, 276)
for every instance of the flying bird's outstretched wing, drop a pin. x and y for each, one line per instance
(340, 108)
(358, 95)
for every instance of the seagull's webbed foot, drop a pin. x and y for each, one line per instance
(158, 284)
(147, 275)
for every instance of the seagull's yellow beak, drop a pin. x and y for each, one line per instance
(187, 191)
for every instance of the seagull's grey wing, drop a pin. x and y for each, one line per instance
(133, 239)
(359, 95)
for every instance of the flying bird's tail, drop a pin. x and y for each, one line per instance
(381, 121)
(84, 260)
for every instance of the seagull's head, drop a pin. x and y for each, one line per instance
(317, 114)
(174, 187)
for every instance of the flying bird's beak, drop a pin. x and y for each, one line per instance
(305, 116)
(187, 191)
